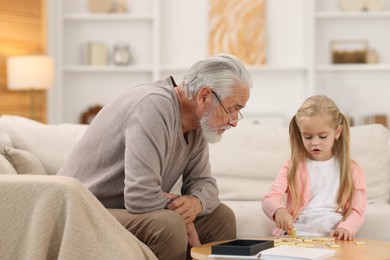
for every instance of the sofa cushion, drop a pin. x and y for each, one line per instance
(51, 144)
(5, 166)
(5, 140)
(248, 158)
(370, 148)
(24, 162)
(375, 227)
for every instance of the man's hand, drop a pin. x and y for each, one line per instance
(171, 196)
(186, 206)
(342, 234)
(283, 219)
(193, 239)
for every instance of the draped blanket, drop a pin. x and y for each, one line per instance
(55, 217)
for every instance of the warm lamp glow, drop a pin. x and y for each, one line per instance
(30, 72)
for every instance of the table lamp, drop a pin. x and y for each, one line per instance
(30, 72)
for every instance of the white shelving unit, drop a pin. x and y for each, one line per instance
(357, 88)
(352, 15)
(80, 85)
(354, 68)
(165, 39)
(108, 17)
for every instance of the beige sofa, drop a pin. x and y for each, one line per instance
(244, 164)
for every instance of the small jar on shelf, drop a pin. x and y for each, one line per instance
(121, 54)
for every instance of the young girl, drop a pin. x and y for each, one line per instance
(325, 189)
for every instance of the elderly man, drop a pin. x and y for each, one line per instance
(140, 144)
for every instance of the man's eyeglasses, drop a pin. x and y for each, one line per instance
(230, 115)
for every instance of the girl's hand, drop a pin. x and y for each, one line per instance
(283, 219)
(342, 234)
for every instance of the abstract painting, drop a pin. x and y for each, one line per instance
(238, 27)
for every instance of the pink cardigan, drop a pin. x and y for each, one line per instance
(274, 198)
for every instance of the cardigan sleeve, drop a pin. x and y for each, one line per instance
(359, 202)
(275, 197)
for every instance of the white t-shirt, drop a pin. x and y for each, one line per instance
(319, 217)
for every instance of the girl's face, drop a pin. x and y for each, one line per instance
(318, 137)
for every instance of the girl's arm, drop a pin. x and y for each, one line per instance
(359, 202)
(274, 198)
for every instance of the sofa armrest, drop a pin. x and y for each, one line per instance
(55, 217)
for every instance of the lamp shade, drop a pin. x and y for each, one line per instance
(30, 72)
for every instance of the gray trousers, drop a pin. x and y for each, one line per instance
(164, 231)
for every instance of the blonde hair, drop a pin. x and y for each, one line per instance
(324, 107)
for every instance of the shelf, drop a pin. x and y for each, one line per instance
(86, 68)
(353, 68)
(176, 68)
(107, 17)
(277, 68)
(254, 69)
(353, 15)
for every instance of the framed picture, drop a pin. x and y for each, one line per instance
(349, 51)
(238, 28)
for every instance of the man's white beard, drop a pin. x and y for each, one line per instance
(210, 134)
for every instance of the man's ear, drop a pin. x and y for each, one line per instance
(202, 95)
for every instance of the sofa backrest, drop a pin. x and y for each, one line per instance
(51, 144)
(370, 148)
(248, 158)
(244, 163)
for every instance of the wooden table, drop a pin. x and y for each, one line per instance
(348, 250)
